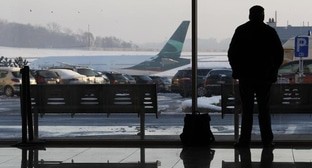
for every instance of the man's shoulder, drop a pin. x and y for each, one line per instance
(246, 24)
(270, 28)
(242, 27)
(250, 25)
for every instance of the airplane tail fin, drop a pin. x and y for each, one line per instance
(169, 55)
(174, 45)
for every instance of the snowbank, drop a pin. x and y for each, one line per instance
(204, 104)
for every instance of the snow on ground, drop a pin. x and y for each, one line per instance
(205, 104)
(170, 105)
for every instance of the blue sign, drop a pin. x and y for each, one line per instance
(301, 46)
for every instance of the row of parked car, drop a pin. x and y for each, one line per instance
(11, 78)
(209, 79)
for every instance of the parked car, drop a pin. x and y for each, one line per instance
(105, 78)
(215, 78)
(130, 79)
(115, 77)
(143, 79)
(289, 72)
(45, 77)
(163, 83)
(182, 81)
(93, 76)
(11, 79)
(68, 76)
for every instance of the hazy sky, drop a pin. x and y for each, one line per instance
(150, 20)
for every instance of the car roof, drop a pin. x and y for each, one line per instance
(67, 73)
(10, 68)
(46, 73)
(305, 61)
(221, 69)
(199, 68)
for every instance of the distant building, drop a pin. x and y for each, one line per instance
(289, 31)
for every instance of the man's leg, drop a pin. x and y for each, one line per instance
(247, 97)
(263, 96)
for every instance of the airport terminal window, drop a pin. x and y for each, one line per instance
(122, 37)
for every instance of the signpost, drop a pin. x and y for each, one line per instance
(301, 50)
(301, 46)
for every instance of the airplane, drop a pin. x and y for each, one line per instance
(168, 58)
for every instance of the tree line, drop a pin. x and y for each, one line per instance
(15, 62)
(53, 36)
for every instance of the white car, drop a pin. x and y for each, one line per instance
(70, 77)
(93, 76)
(11, 79)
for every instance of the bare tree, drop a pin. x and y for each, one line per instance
(54, 27)
(4, 61)
(20, 62)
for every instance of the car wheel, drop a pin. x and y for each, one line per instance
(8, 91)
(201, 91)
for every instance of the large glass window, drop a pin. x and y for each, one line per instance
(105, 42)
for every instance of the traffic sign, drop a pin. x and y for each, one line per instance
(301, 46)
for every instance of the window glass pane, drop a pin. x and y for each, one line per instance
(98, 42)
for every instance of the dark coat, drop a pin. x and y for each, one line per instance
(255, 52)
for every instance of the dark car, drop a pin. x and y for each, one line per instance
(215, 78)
(143, 79)
(182, 82)
(46, 77)
(130, 79)
(116, 78)
(289, 72)
(163, 83)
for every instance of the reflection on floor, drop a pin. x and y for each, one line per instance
(154, 158)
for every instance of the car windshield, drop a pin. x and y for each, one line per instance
(118, 76)
(202, 72)
(17, 74)
(184, 73)
(188, 73)
(165, 80)
(219, 72)
(292, 68)
(66, 73)
(47, 74)
(87, 72)
(129, 77)
(143, 77)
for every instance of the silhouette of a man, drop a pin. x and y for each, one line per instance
(255, 54)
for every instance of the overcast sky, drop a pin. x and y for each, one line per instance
(150, 20)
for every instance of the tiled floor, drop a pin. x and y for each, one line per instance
(154, 157)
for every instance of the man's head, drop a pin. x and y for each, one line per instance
(256, 13)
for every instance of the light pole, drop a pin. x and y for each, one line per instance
(194, 57)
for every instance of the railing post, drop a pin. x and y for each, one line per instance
(236, 124)
(142, 155)
(24, 116)
(27, 123)
(142, 124)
